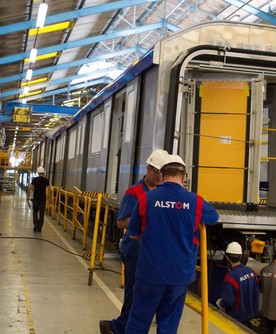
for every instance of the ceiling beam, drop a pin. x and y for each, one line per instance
(42, 108)
(73, 15)
(99, 73)
(68, 89)
(252, 10)
(76, 63)
(85, 41)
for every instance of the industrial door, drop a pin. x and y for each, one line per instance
(226, 124)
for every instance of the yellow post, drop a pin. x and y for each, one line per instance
(123, 276)
(204, 279)
(59, 205)
(123, 271)
(75, 214)
(65, 211)
(87, 204)
(106, 211)
(94, 241)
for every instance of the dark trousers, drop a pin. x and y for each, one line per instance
(38, 213)
(118, 325)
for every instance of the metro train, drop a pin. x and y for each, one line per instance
(207, 93)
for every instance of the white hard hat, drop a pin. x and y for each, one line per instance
(172, 158)
(156, 157)
(234, 248)
(40, 170)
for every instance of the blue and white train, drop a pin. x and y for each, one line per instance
(207, 93)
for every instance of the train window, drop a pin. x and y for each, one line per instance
(42, 154)
(80, 138)
(62, 145)
(129, 116)
(97, 133)
(106, 125)
(72, 144)
(58, 151)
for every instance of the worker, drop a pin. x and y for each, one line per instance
(130, 247)
(268, 288)
(38, 186)
(240, 291)
(166, 219)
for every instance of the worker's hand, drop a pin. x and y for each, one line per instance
(218, 302)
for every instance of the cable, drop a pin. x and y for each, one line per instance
(62, 248)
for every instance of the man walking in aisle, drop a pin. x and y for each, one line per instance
(38, 186)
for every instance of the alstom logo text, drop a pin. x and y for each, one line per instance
(172, 205)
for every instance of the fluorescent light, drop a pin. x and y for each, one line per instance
(33, 55)
(42, 11)
(26, 90)
(29, 74)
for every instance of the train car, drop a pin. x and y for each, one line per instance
(205, 93)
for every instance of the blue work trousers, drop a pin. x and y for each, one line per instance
(118, 325)
(166, 301)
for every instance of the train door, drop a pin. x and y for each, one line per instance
(97, 157)
(58, 160)
(71, 175)
(116, 142)
(220, 139)
(51, 154)
(123, 135)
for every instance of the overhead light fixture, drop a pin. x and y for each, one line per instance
(50, 28)
(36, 92)
(29, 74)
(33, 55)
(25, 90)
(42, 11)
(33, 82)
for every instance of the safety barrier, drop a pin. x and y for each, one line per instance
(81, 215)
(75, 208)
(65, 207)
(72, 205)
(52, 201)
(108, 205)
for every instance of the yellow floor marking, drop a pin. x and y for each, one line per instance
(28, 305)
(215, 317)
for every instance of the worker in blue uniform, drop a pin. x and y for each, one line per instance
(240, 291)
(268, 288)
(166, 219)
(130, 247)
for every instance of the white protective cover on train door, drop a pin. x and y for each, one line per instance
(129, 137)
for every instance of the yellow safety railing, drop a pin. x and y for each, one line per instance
(95, 239)
(75, 207)
(81, 215)
(52, 201)
(65, 207)
(100, 234)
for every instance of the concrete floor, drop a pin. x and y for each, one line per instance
(44, 289)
